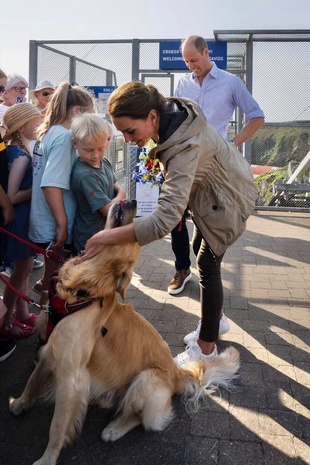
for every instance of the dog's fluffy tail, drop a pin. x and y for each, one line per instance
(209, 376)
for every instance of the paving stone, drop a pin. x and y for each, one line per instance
(240, 453)
(265, 421)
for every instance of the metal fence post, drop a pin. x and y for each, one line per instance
(249, 83)
(131, 163)
(72, 70)
(33, 64)
(135, 74)
(110, 78)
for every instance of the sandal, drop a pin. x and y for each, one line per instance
(30, 321)
(37, 288)
(16, 330)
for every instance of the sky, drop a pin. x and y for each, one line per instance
(142, 19)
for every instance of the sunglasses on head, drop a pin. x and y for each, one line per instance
(46, 94)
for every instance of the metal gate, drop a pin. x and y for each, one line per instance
(164, 82)
(278, 153)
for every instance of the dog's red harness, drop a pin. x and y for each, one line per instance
(59, 308)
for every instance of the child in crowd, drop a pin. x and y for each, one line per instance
(7, 345)
(53, 204)
(21, 122)
(7, 215)
(93, 181)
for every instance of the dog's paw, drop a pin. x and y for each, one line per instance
(17, 406)
(119, 427)
(111, 433)
(45, 461)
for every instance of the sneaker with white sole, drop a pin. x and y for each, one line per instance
(7, 271)
(178, 281)
(37, 264)
(7, 347)
(38, 287)
(193, 353)
(194, 335)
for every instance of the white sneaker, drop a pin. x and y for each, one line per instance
(37, 264)
(7, 271)
(194, 335)
(193, 353)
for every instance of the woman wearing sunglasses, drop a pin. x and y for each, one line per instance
(41, 95)
(13, 92)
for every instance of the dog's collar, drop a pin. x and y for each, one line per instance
(83, 294)
(59, 308)
(80, 293)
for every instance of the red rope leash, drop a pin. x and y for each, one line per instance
(47, 253)
(20, 294)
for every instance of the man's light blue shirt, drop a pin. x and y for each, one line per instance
(219, 95)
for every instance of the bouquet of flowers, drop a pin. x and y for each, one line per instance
(148, 170)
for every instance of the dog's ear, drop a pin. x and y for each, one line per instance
(124, 280)
(70, 279)
(124, 266)
(107, 272)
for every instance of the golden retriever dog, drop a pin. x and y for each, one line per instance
(108, 354)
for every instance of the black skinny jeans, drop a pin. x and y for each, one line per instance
(211, 287)
(180, 245)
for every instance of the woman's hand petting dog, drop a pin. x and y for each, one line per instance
(118, 230)
(91, 249)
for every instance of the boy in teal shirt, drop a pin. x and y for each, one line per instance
(93, 181)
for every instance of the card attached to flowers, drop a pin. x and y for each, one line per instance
(148, 179)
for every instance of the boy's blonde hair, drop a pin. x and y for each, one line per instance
(89, 125)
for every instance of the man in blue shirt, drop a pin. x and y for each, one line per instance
(219, 94)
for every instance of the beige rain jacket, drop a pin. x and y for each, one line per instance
(209, 174)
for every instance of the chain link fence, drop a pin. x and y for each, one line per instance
(275, 66)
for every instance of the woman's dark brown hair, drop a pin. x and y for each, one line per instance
(135, 100)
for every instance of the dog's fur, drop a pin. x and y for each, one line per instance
(130, 365)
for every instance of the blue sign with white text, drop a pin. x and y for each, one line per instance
(96, 90)
(101, 95)
(170, 56)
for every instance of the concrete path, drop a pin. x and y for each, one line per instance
(266, 421)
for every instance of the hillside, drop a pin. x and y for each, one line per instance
(276, 145)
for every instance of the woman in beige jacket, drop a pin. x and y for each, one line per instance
(201, 170)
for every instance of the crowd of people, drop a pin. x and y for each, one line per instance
(65, 209)
(40, 200)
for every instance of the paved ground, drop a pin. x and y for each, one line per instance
(266, 422)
